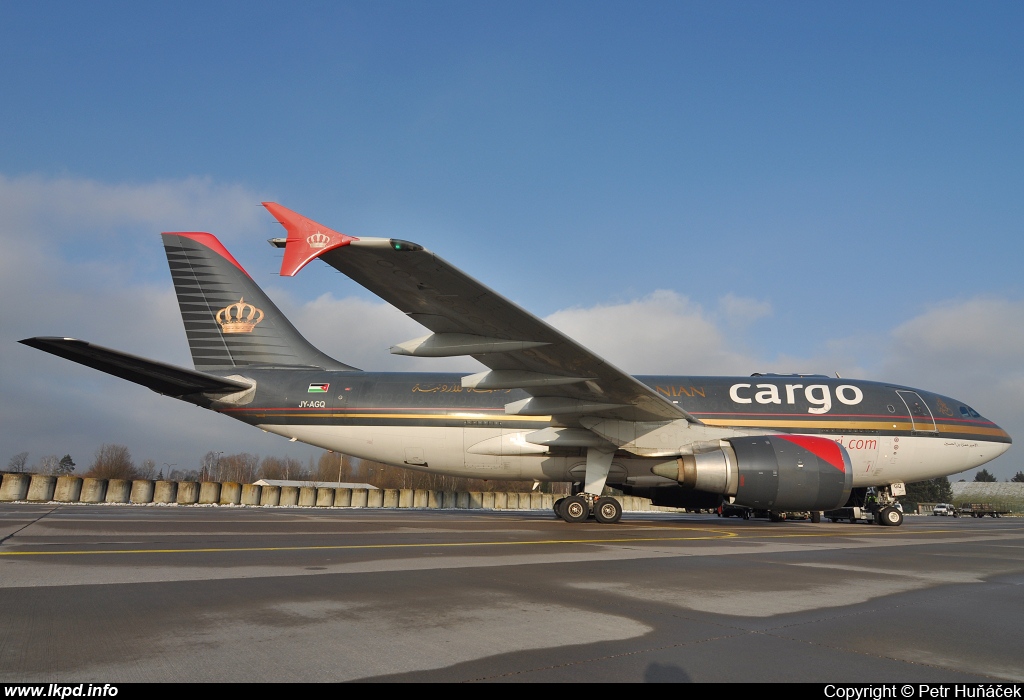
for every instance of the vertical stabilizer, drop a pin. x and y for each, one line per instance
(228, 319)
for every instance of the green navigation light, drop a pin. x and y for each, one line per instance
(404, 246)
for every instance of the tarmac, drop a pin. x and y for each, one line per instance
(121, 593)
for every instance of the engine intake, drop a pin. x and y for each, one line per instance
(774, 472)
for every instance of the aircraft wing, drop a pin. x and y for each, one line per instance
(158, 376)
(468, 318)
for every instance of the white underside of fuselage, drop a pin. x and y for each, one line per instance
(877, 461)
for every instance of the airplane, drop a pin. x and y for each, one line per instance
(546, 409)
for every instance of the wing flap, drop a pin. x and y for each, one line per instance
(162, 378)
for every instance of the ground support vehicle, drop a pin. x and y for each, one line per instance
(980, 510)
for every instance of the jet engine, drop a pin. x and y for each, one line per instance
(771, 472)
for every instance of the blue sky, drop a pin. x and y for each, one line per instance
(815, 186)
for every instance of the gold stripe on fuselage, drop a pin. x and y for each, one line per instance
(768, 424)
(873, 426)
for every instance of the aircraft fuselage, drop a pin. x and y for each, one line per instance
(430, 422)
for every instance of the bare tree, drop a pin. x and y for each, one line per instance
(17, 463)
(47, 465)
(113, 462)
(333, 466)
(242, 467)
(273, 468)
(148, 469)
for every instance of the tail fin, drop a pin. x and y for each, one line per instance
(228, 319)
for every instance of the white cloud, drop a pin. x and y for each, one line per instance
(69, 207)
(742, 311)
(662, 333)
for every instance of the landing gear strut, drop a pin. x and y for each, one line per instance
(586, 500)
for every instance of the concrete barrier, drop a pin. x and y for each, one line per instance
(289, 496)
(307, 496)
(14, 487)
(165, 492)
(188, 493)
(325, 497)
(230, 493)
(118, 491)
(209, 493)
(251, 494)
(142, 491)
(93, 490)
(41, 487)
(68, 489)
(270, 496)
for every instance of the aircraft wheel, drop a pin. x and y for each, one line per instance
(607, 511)
(746, 515)
(557, 506)
(575, 510)
(815, 516)
(891, 517)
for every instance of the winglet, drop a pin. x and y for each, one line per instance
(307, 240)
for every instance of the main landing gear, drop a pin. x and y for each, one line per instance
(586, 501)
(583, 506)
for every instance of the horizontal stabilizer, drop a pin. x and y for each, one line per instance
(158, 376)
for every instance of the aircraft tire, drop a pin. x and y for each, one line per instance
(575, 510)
(891, 517)
(557, 507)
(815, 516)
(607, 511)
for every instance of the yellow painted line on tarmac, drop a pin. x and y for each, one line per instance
(713, 535)
(717, 535)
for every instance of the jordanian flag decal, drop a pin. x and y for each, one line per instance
(318, 388)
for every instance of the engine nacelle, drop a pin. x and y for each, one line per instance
(771, 472)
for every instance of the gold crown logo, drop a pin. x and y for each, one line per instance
(318, 240)
(239, 318)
